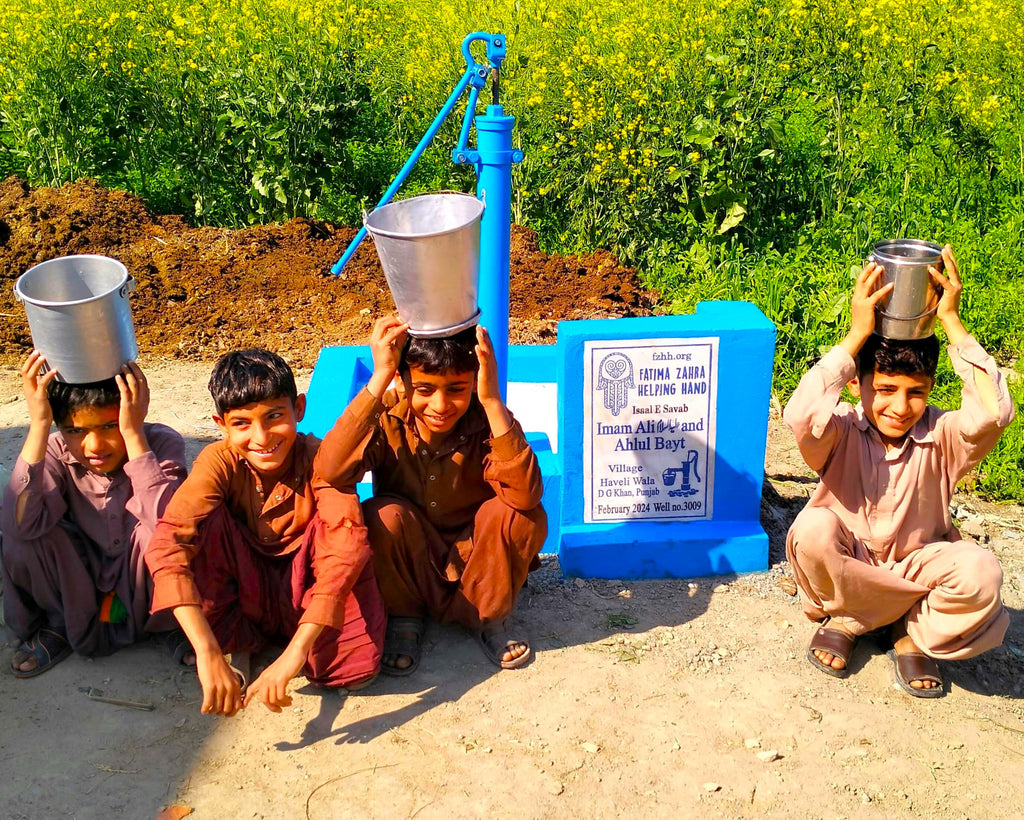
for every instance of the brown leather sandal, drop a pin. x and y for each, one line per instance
(917, 666)
(836, 643)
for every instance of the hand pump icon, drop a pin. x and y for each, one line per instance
(688, 467)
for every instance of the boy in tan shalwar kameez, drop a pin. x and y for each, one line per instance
(876, 544)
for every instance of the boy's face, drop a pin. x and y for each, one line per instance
(263, 433)
(94, 438)
(893, 403)
(438, 401)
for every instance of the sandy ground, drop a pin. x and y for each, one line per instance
(665, 699)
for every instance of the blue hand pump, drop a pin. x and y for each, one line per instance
(492, 158)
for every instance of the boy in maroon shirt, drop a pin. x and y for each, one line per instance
(253, 549)
(78, 514)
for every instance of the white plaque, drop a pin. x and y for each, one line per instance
(649, 429)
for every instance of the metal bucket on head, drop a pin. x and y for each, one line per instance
(909, 311)
(79, 315)
(429, 247)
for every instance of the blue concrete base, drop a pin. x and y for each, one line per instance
(657, 550)
(731, 542)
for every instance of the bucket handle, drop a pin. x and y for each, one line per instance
(127, 287)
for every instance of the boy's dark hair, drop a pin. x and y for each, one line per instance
(898, 357)
(245, 376)
(453, 354)
(66, 398)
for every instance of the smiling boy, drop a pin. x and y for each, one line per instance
(876, 545)
(78, 514)
(252, 550)
(455, 521)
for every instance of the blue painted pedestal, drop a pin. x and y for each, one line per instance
(734, 343)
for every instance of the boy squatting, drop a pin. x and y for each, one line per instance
(455, 520)
(78, 514)
(254, 547)
(875, 544)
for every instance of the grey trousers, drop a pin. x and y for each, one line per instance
(51, 581)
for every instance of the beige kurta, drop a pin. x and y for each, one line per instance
(876, 540)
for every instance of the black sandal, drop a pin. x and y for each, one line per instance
(48, 647)
(178, 645)
(403, 637)
(495, 638)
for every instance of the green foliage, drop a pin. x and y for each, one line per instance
(741, 149)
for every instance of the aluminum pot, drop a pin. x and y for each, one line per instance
(79, 315)
(429, 247)
(909, 311)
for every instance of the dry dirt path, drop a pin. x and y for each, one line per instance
(659, 699)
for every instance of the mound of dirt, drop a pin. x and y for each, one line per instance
(204, 290)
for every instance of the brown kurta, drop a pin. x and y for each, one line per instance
(455, 530)
(876, 540)
(277, 517)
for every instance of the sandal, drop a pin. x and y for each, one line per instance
(916, 666)
(403, 636)
(495, 638)
(836, 643)
(48, 648)
(178, 645)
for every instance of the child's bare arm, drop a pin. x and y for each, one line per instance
(271, 687)
(949, 315)
(134, 389)
(222, 692)
(40, 417)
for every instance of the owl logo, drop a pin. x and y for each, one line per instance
(615, 377)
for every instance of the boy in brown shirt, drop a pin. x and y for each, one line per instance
(252, 549)
(876, 544)
(455, 522)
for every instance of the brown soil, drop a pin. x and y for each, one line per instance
(203, 290)
(653, 699)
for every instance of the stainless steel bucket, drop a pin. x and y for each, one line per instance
(909, 311)
(429, 247)
(79, 315)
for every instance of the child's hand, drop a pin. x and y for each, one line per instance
(949, 305)
(387, 340)
(271, 687)
(386, 343)
(222, 692)
(488, 388)
(134, 389)
(39, 412)
(866, 296)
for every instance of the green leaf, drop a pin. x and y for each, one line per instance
(733, 218)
